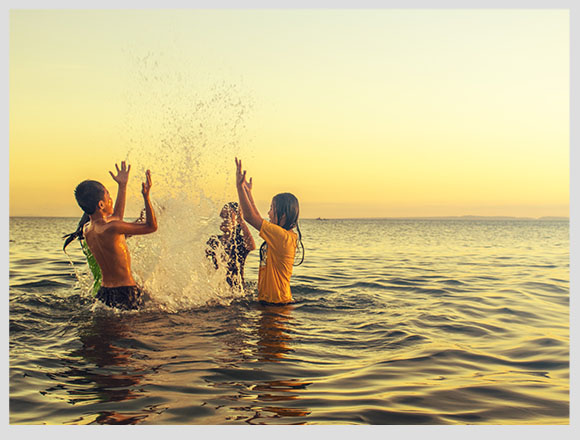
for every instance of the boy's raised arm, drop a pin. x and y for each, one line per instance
(121, 178)
(150, 224)
(150, 220)
(249, 210)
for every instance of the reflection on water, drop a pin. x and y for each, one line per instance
(420, 322)
(274, 343)
(110, 374)
(267, 330)
(273, 336)
(278, 391)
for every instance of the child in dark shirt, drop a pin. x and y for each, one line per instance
(237, 242)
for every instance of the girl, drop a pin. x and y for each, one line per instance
(237, 242)
(278, 251)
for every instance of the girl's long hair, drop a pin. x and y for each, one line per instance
(235, 208)
(78, 233)
(286, 205)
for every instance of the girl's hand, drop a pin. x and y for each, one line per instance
(241, 176)
(146, 186)
(122, 174)
(248, 185)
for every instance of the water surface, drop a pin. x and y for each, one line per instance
(396, 322)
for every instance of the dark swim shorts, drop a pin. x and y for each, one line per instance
(122, 297)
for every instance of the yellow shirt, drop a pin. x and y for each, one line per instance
(276, 267)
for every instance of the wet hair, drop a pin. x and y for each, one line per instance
(78, 233)
(88, 194)
(286, 205)
(232, 206)
(235, 208)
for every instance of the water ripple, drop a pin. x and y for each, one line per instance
(420, 322)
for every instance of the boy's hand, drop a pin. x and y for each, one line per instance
(122, 174)
(147, 184)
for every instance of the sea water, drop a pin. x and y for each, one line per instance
(396, 322)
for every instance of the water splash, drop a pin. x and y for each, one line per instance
(83, 276)
(187, 130)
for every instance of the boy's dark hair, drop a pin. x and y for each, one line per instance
(88, 194)
(286, 205)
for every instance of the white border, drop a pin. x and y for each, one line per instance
(447, 432)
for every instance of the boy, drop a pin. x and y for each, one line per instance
(105, 236)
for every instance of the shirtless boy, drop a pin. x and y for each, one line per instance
(105, 236)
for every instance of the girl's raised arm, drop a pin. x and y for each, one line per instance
(249, 210)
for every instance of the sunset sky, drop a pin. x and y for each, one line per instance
(359, 113)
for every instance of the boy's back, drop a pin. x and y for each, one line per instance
(111, 252)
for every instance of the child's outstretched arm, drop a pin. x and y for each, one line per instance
(150, 225)
(249, 210)
(121, 178)
(150, 220)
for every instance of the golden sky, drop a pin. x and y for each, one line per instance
(359, 113)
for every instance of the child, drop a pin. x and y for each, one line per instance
(237, 242)
(105, 236)
(278, 251)
(92, 263)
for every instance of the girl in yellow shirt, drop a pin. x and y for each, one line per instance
(278, 251)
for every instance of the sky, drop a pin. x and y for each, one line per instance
(359, 113)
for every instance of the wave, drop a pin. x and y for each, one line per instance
(452, 355)
(42, 284)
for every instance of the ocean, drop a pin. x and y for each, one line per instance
(396, 322)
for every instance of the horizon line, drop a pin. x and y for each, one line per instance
(468, 216)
